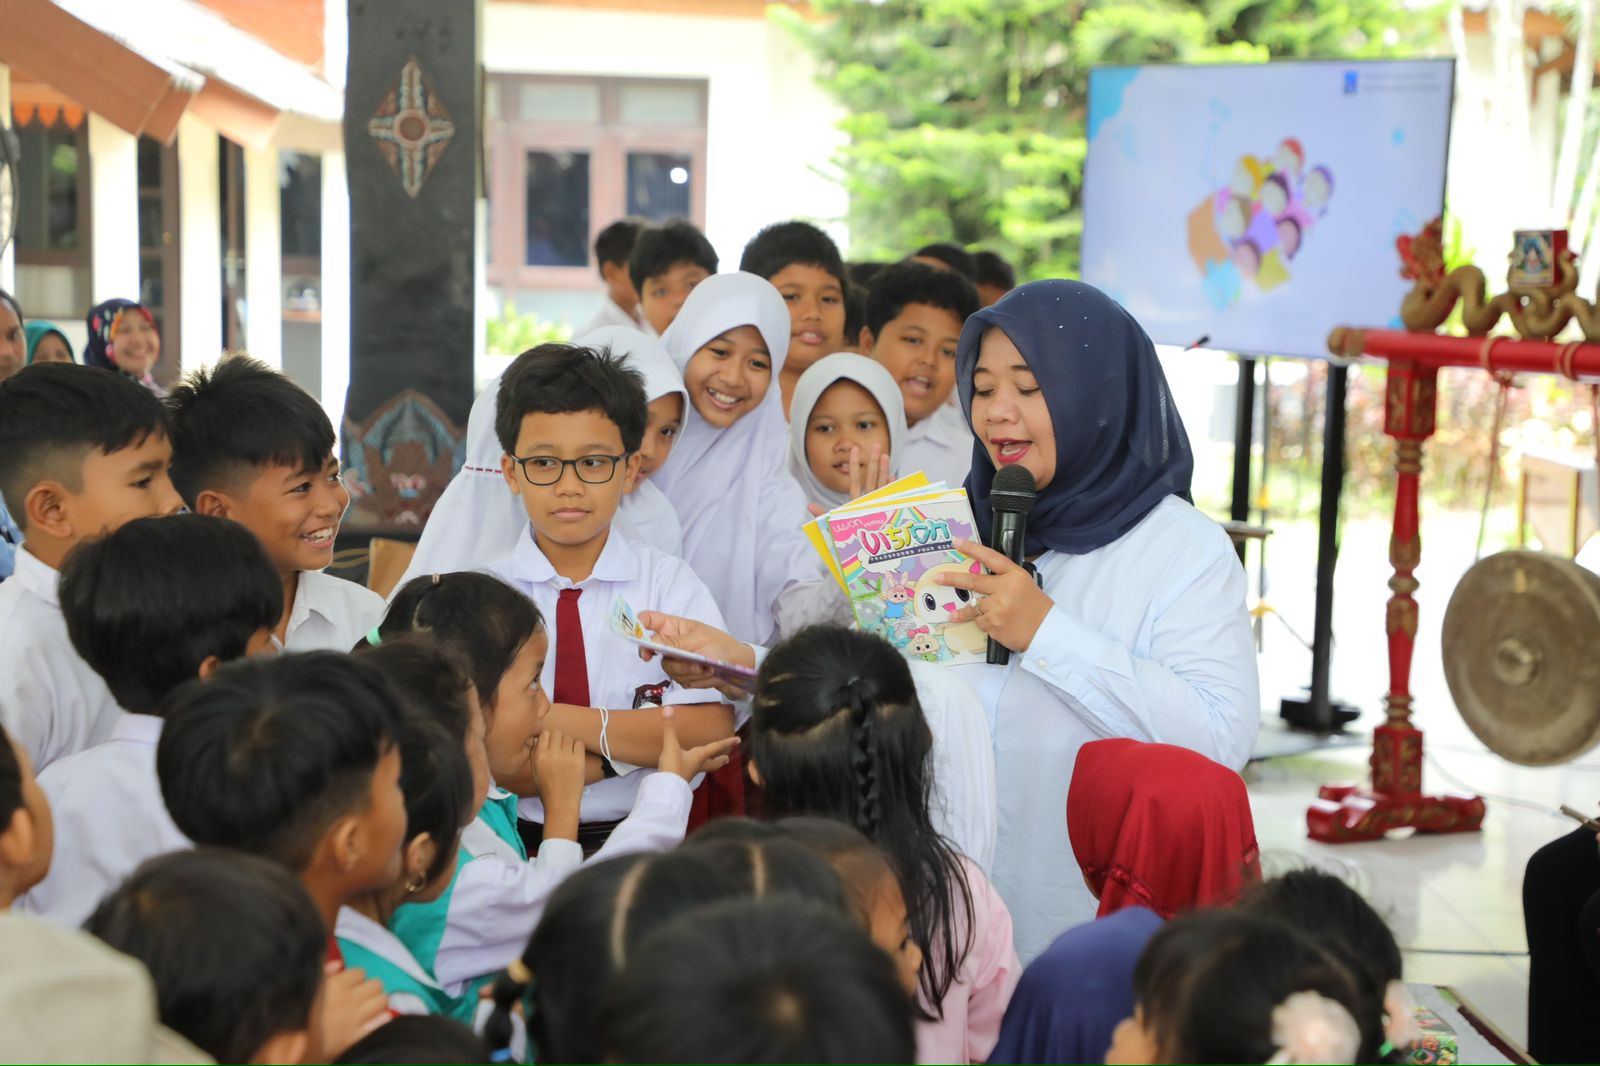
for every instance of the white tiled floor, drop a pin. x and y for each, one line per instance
(1454, 901)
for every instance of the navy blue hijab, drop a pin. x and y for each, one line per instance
(1120, 446)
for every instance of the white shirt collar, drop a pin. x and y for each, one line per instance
(616, 563)
(138, 728)
(37, 576)
(360, 930)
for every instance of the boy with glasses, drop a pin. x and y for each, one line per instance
(571, 420)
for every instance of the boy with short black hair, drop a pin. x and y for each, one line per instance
(914, 317)
(995, 277)
(81, 452)
(158, 603)
(293, 758)
(804, 265)
(944, 255)
(612, 247)
(234, 946)
(668, 261)
(27, 833)
(251, 445)
(571, 420)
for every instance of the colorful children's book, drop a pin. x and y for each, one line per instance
(626, 625)
(816, 530)
(890, 552)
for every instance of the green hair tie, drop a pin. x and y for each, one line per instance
(375, 638)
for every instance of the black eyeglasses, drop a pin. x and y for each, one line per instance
(547, 469)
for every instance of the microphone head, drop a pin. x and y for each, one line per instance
(1012, 490)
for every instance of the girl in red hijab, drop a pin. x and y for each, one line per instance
(1159, 826)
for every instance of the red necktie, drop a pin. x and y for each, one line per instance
(572, 667)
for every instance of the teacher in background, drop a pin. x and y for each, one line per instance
(1140, 628)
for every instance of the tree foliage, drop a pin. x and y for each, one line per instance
(966, 117)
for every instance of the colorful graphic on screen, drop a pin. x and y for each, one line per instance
(1258, 205)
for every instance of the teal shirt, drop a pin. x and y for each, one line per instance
(367, 946)
(421, 926)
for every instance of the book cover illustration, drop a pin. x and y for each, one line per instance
(890, 555)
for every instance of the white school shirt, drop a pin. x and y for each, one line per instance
(961, 762)
(330, 613)
(940, 446)
(109, 818)
(1149, 638)
(498, 896)
(649, 580)
(610, 314)
(51, 701)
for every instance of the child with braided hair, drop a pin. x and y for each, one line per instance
(837, 731)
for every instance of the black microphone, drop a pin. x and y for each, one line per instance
(1011, 498)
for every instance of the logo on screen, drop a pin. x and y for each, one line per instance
(1349, 83)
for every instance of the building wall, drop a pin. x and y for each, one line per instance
(769, 129)
(1502, 158)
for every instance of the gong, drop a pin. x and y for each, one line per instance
(1522, 656)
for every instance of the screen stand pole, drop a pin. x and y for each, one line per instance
(1244, 410)
(1318, 712)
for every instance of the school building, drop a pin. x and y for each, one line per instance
(190, 154)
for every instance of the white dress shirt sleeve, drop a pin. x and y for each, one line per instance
(1198, 687)
(658, 821)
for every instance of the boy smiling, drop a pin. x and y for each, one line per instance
(914, 317)
(251, 445)
(82, 452)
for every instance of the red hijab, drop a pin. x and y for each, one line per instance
(1159, 826)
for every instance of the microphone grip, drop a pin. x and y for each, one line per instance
(1006, 537)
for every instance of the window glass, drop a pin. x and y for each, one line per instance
(659, 105)
(542, 101)
(557, 187)
(658, 184)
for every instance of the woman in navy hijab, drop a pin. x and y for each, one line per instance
(1140, 628)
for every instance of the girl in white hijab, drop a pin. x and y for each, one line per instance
(740, 507)
(845, 403)
(477, 520)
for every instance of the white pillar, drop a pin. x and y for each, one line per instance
(335, 288)
(200, 242)
(114, 209)
(263, 238)
(8, 258)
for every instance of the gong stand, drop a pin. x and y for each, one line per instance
(1395, 800)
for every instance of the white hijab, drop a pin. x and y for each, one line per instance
(477, 520)
(741, 509)
(825, 372)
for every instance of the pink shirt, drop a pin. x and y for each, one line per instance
(975, 1003)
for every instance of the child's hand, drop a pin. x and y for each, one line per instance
(558, 763)
(870, 476)
(701, 639)
(686, 764)
(351, 1006)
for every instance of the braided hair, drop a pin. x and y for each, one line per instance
(838, 732)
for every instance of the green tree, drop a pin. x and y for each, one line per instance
(966, 117)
